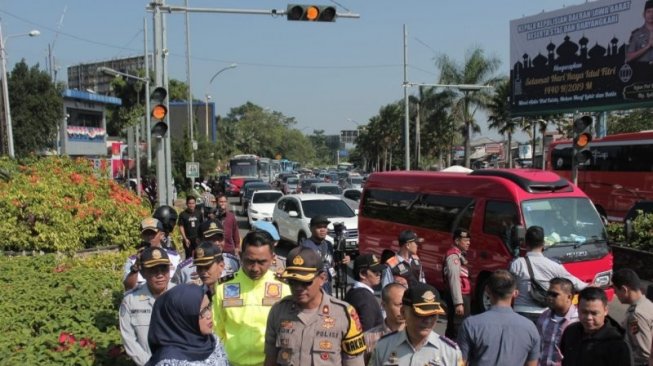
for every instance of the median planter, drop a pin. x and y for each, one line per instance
(638, 260)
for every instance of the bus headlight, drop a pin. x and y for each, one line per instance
(602, 279)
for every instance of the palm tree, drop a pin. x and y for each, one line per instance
(499, 117)
(477, 69)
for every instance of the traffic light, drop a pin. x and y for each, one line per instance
(311, 13)
(582, 139)
(158, 112)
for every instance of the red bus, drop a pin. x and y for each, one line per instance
(619, 174)
(242, 167)
(495, 205)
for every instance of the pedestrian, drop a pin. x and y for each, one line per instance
(391, 296)
(638, 324)
(311, 327)
(417, 344)
(152, 234)
(136, 306)
(552, 323)
(167, 215)
(181, 330)
(405, 267)
(319, 228)
(279, 262)
(189, 224)
(499, 336)
(367, 276)
(543, 269)
(230, 226)
(595, 340)
(241, 304)
(456, 273)
(210, 203)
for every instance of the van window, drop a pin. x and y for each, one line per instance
(500, 216)
(428, 211)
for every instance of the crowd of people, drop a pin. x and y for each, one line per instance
(233, 302)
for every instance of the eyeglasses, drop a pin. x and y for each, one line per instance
(552, 294)
(205, 312)
(296, 283)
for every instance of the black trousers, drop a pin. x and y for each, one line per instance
(188, 251)
(454, 321)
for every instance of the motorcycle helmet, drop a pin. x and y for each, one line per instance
(168, 217)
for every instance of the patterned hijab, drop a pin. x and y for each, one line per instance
(174, 328)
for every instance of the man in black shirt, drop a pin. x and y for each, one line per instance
(596, 339)
(189, 223)
(367, 273)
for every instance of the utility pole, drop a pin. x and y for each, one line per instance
(147, 96)
(406, 115)
(191, 123)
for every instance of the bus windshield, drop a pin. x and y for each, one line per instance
(566, 221)
(243, 168)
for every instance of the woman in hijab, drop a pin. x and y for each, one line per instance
(181, 330)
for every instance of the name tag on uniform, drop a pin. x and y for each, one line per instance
(230, 303)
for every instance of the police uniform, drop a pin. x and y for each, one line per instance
(639, 39)
(330, 334)
(396, 349)
(408, 268)
(240, 311)
(456, 274)
(639, 327)
(136, 310)
(174, 262)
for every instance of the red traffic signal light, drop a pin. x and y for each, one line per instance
(311, 13)
(582, 139)
(159, 111)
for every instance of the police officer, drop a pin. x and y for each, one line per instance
(210, 232)
(324, 248)
(417, 344)
(279, 262)
(640, 45)
(405, 267)
(136, 307)
(311, 327)
(152, 235)
(456, 272)
(241, 304)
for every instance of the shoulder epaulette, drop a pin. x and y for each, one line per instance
(133, 257)
(448, 341)
(389, 334)
(392, 262)
(226, 278)
(171, 251)
(186, 262)
(229, 255)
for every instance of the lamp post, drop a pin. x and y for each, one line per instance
(5, 87)
(110, 71)
(232, 66)
(206, 121)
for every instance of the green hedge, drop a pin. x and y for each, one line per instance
(61, 310)
(642, 236)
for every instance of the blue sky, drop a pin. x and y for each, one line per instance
(328, 76)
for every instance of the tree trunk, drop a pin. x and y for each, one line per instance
(509, 150)
(468, 133)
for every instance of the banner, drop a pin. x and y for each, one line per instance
(595, 56)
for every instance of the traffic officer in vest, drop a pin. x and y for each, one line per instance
(417, 344)
(311, 327)
(152, 235)
(405, 267)
(136, 307)
(279, 262)
(456, 273)
(241, 305)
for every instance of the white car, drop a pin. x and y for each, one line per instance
(292, 216)
(352, 197)
(261, 205)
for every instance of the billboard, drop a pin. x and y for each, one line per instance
(591, 57)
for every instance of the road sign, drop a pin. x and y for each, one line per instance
(192, 170)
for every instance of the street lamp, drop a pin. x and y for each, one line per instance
(206, 108)
(110, 71)
(232, 66)
(5, 86)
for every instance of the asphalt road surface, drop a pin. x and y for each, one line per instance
(616, 309)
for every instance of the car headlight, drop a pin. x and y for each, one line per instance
(602, 279)
(253, 211)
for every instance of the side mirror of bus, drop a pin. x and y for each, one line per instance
(517, 238)
(628, 230)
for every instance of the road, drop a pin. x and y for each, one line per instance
(616, 310)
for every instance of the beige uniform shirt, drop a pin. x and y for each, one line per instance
(394, 349)
(329, 335)
(639, 326)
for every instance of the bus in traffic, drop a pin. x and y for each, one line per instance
(265, 170)
(242, 167)
(619, 174)
(495, 206)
